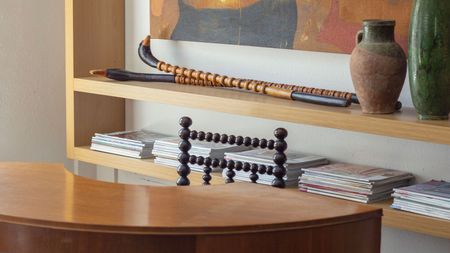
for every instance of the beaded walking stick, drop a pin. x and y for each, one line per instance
(267, 88)
(286, 91)
(123, 75)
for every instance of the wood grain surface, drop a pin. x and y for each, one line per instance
(48, 195)
(94, 37)
(402, 124)
(44, 208)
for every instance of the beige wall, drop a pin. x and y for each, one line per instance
(32, 107)
(319, 69)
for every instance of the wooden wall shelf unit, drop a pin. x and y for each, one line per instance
(401, 125)
(95, 32)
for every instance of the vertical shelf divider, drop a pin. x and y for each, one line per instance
(95, 38)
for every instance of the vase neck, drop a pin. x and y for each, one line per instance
(379, 31)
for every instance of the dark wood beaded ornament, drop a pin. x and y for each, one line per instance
(280, 146)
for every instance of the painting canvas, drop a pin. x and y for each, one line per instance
(313, 25)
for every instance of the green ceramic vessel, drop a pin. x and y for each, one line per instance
(429, 58)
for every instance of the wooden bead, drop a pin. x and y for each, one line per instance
(184, 145)
(215, 162)
(183, 181)
(238, 165)
(201, 136)
(207, 170)
(183, 158)
(269, 170)
(230, 174)
(279, 172)
(216, 137)
(280, 133)
(185, 122)
(263, 143)
(231, 164)
(184, 133)
(220, 79)
(223, 163)
(247, 167)
(254, 168)
(206, 179)
(278, 183)
(280, 146)
(232, 139)
(262, 169)
(183, 170)
(208, 161)
(209, 137)
(271, 144)
(193, 135)
(279, 159)
(255, 142)
(254, 178)
(192, 159)
(224, 138)
(239, 140)
(200, 160)
(247, 141)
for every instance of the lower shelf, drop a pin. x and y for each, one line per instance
(144, 167)
(413, 222)
(391, 217)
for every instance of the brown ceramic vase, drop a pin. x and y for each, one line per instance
(378, 67)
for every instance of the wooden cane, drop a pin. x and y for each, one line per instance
(223, 81)
(146, 55)
(124, 75)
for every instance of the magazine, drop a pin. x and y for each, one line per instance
(138, 137)
(359, 173)
(432, 189)
(265, 157)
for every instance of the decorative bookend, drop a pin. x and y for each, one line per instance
(280, 145)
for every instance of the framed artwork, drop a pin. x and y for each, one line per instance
(313, 25)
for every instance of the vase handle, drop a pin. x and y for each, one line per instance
(359, 36)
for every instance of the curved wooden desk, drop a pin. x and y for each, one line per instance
(44, 208)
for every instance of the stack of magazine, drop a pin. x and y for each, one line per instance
(431, 198)
(166, 151)
(136, 144)
(353, 182)
(293, 165)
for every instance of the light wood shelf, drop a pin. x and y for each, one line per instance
(95, 32)
(391, 217)
(413, 222)
(401, 125)
(144, 167)
(409, 221)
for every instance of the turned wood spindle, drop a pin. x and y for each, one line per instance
(280, 158)
(207, 170)
(254, 172)
(183, 169)
(230, 172)
(280, 146)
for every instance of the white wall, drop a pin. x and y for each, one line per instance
(32, 84)
(314, 69)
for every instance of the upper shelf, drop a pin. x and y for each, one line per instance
(401, 125)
